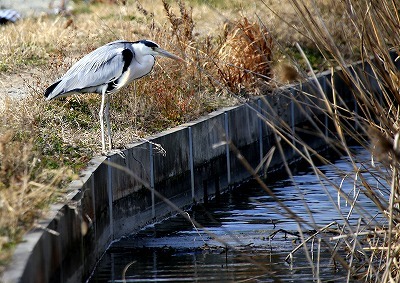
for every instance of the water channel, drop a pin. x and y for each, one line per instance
(239, 246)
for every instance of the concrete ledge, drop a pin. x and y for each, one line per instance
(107, 203)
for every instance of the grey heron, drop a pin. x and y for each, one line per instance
(9, 16)
(106, 70)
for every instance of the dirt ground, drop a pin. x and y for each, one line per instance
(14, 85)
(32, 7)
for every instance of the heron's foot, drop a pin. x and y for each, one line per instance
(121, 153)
(113, 152)
(103, 149)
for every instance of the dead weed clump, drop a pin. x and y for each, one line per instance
(246, 55)
(182, 26)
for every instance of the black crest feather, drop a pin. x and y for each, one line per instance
(148, 43)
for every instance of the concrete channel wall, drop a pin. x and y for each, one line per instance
(194, 164)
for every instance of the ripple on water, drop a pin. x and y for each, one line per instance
(173, 251)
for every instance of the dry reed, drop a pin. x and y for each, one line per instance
(371, 246)
(245, 56)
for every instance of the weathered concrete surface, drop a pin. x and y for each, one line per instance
(108, 203)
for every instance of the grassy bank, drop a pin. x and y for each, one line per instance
(233, 50)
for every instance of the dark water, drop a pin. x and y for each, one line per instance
(236, 243)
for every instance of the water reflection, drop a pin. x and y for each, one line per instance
(244, 220)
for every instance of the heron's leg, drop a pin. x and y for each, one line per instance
(107, 114)
(101, 116)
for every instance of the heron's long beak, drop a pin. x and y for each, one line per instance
(165, 53)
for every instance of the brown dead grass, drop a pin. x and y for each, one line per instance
(246, 55)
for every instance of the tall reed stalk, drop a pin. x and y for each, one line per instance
(373, 122)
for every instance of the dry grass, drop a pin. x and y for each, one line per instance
(27, 183)
(245, 56)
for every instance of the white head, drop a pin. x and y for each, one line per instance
(148, 47)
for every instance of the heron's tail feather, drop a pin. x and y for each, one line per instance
(48, 93)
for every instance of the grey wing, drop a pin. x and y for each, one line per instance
(100, 67)
(9, 16)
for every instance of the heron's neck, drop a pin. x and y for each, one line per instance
(148, 60)
(141, 66)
